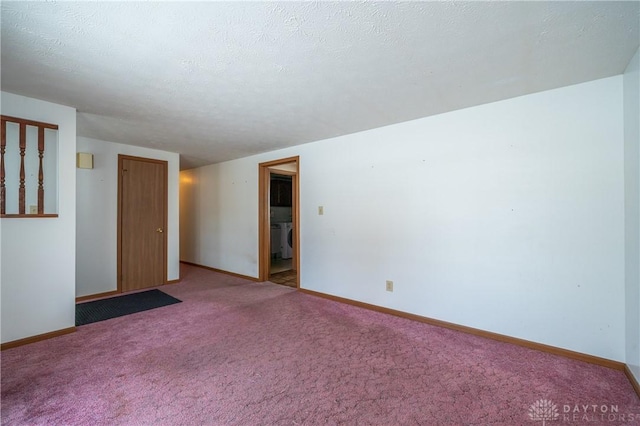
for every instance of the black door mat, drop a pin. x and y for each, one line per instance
(100, 310)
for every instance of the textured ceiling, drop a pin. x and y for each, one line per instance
(221, 80)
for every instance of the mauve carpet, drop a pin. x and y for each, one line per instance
(242, 353)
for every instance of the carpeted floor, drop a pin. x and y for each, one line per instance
(242, 353)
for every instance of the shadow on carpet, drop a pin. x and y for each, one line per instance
(100, 310)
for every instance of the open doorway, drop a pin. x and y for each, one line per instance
(279, 224)
(281, 267)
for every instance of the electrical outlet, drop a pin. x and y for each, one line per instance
(320, 210)
(389, 285)
(33, 209)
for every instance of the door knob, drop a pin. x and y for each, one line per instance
(159, 230)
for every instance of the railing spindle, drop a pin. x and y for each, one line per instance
(40, 171)
(25, 167)
(21, 188)
(3, 191)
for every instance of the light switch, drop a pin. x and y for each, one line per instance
(320, 210)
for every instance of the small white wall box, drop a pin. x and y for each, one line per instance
(84, 160)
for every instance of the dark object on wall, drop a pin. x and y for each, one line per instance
(281, 191)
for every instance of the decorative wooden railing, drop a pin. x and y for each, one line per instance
(21, 179)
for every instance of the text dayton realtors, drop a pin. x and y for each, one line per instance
(595, 412)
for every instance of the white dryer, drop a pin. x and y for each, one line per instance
(286, 243)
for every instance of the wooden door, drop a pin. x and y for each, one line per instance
(142, 213)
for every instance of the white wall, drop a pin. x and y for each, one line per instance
(507, 217)
(97, 214)
(632, 212)
(38, 255)
(219, 216)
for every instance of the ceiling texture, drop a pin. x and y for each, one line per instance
(216, 81)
